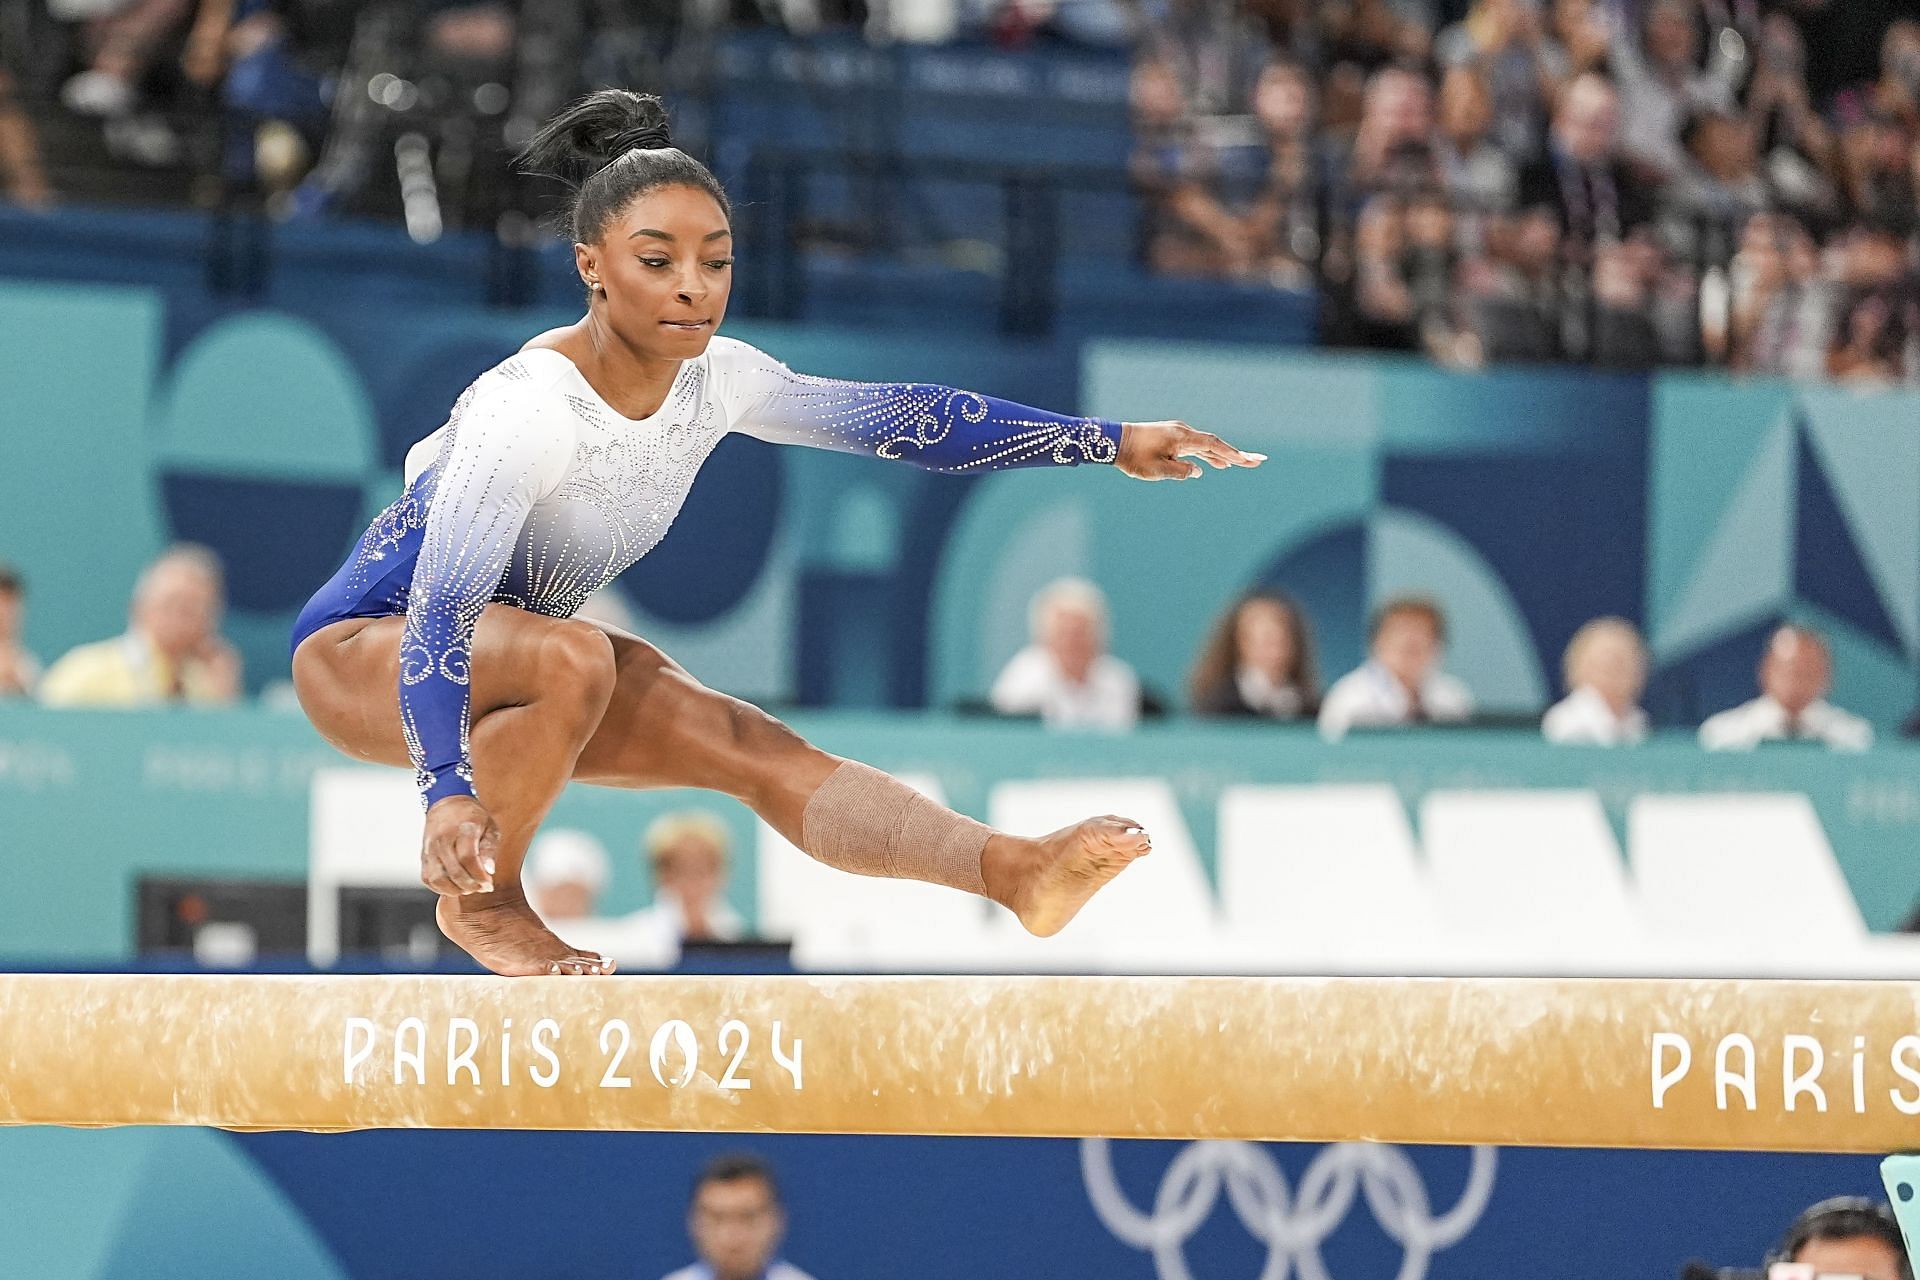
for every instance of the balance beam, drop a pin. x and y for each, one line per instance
(1749, 1065)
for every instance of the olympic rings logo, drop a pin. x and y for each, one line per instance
(1293, 1225)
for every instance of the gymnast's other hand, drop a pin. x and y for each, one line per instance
(458, 851)
(1159, 451)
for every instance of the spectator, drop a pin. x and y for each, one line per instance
(1222, 205)
(736, 1222)
(1508, 44)
(1848, 1236)
(1401, 682)
(1257, 662)
(19, 670)
(123, 40)
(1478, 172)
(1878, 321)
(1381, 308)
(1797, 144)
(1285, 216)
(1215, 52)
(1066, 676)
(566, 874)
(1585, 35)
(1896, 95)
(1781, 307)
(1661, 85)
(1514, 291)
(1392, 149)
(24, 178)
(172, 650)
(689, 855)
(1626, 307)
(1582, 180)
(1795, 674)
(1606, 670)
(1719, 183)
(1877, 173)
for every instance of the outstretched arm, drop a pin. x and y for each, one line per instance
(940, 428)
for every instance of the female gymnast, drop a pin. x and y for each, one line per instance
(562, 466)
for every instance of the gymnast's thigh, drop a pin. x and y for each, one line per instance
(347, 675)
(663, 728)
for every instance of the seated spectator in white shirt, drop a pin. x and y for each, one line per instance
(1401, 682)
(19, 670)
(1258, 662)
(1066, 676)
(689, 852)
(737, 1222)
(566, 874)
(1606, 671)
(1795, 674)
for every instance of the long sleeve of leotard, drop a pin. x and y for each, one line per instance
(937, 428)
(506, 448)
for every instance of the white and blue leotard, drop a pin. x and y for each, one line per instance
(536, 494)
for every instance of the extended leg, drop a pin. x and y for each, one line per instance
(662, 728)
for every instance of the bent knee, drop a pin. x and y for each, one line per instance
(579, 656)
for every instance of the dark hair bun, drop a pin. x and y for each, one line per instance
(588, 135)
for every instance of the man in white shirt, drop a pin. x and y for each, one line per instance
(1066, 676)
(1606, 670)
(1795, 675)
(1401, 682)
(737, 1222)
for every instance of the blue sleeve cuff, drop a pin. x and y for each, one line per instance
(449, 782)
(1111, 432)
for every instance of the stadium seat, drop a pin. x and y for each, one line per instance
(1532, 879)
(1751, 872)
(1321, 879)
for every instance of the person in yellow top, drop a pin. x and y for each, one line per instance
(172, 650)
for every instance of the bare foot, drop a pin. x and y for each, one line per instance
(508, 938)
(1045, 882)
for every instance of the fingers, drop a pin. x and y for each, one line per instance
(1215, 451)
(444, 871)
(473, 846)
(462, 862)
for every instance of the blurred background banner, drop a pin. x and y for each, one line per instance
(1528, 500)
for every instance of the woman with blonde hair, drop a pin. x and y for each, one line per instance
(1606, 670)
(1258, 661)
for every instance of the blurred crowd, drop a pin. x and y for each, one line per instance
(1257, 663)
(1616, 182)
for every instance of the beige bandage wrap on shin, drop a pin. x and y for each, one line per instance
(864, 821)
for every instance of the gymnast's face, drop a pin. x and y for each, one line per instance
(665, 270)
(736, 1226)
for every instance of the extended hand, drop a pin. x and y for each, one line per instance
(1158, 451)
(457, 852)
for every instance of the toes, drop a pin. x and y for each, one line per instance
(581, 966)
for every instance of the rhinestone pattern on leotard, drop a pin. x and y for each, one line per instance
(537, 494)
